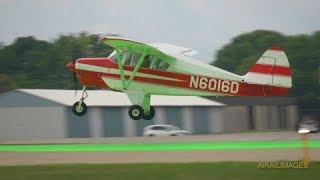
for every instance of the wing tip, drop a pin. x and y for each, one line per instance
(103, 39)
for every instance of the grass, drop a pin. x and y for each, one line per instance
(157, 146)
(167, 171)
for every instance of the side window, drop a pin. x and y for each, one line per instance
(155, 63)
(113, 56)
(134, 59)
(155, 128)
(161, 128)
(158, 128)
(131, 59)
(159, 64)
(126, 58)
(164, 66)
(146, 62)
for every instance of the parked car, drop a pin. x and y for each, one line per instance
(163, 130)
(310, 123)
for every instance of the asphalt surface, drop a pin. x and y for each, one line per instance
(257, 155)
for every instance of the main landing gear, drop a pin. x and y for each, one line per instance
(79, 108)
(136, 112)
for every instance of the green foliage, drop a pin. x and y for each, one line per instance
(245, 45)
(31, 63)
(303, 52)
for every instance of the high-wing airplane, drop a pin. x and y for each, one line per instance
(140, 70)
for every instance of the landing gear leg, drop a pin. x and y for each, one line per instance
(150, 114)
(136, 112)
(79, 108)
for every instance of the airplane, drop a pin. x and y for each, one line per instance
(141, 70)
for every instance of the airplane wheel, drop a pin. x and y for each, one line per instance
(79, 111)
(150, 115)
(135, 112)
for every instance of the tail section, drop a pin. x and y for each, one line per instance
(273, 71)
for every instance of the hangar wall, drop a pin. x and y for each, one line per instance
(236, 118)
(114, 121)
(263, 118)
(24, 123)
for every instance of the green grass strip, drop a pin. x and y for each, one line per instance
(157, 146)
(161, 171)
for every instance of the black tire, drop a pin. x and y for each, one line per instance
(150, 115)
(135, 112)
(79, 111)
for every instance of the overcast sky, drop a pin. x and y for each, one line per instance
(203, 25)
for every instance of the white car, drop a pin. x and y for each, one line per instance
(163, 130)
(310, 123)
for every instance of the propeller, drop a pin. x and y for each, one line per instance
(76, 53)
(75, 83)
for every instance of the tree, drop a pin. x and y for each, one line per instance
(31, 63)
(303, 52)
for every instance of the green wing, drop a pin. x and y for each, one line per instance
(135, 46)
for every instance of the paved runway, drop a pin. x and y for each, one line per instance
(265, 153)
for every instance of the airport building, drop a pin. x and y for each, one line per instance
(42, 114)
(47, 114)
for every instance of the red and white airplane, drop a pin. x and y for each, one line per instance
(140, 70)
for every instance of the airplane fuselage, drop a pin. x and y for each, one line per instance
(193, 79)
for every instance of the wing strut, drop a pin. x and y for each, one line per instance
(120, 68)
(136, 68)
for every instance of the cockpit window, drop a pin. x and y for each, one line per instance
(159, 64)
(164, 66)
(146, 62)
(131, 59)
(134, 59)
(113, 56)
(126, 57)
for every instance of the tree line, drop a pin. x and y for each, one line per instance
(32, 63)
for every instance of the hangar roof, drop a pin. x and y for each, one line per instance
(111, 98)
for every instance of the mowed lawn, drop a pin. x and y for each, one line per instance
(163, 171)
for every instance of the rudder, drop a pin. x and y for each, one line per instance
(273, 70)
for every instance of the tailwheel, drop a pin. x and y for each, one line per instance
(135, 112)
(150, 115)
(79, 109)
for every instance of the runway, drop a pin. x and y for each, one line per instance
(253, 146)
